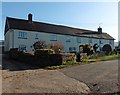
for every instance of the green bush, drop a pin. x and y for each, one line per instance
(39, 45)
(87, 48)
(45, 57)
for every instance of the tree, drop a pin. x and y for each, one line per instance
(87, 48)
(57, 47)
(95, 47)
(39, 45)
(107, 49)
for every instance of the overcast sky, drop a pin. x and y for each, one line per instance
(84, 15)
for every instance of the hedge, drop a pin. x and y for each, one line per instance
(46, 60)
(41, 52)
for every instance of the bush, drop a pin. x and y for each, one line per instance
(55, 59)
(57, 47)
(41, 52)
(96, 55)
(39, 45)
(95, 47)
(87, 48)
(107, 49)
(68, 57)
(13, 53)
(49, 60)
(25, 57)
(45, 57)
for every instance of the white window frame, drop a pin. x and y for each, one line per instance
(22, 47)
(78, 40)
(110, 42)
(68, 39)
(90, 40)
(22, 34)
(72, 49)
(36, 35)
(53, 37)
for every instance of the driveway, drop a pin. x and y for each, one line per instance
(24, 78)
(101, 77)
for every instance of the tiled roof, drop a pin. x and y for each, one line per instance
(20, 24)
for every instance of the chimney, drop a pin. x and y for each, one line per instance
(30, 17)
(100, 30)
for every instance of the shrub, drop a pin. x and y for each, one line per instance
(95, 47)
(55, 59)
(68, 57)
(13, 53)
(78, 57)
(45, 57)
(87, 48)
(39, 45)
(57, 47)
(107, 49)
(39, 52)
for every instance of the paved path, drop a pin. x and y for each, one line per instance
(101, 77)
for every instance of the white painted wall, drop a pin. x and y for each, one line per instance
(16, 41)
(8, 40)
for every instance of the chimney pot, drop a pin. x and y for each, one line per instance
(30, 17)
(100, 30)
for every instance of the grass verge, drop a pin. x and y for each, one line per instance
(102, 58)
(70, 63)
(65, 64)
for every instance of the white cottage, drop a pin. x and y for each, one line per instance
(20, 33)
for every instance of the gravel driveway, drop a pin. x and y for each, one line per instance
(40, 81)
(23, 78)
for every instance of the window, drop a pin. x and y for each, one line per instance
(72, 49)
(78, 39)
(36, 35)
(53, 38)
(90, 40)
(100, 42)
(22, 34)
(68, 39)
(110, 42)
(22, 47)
